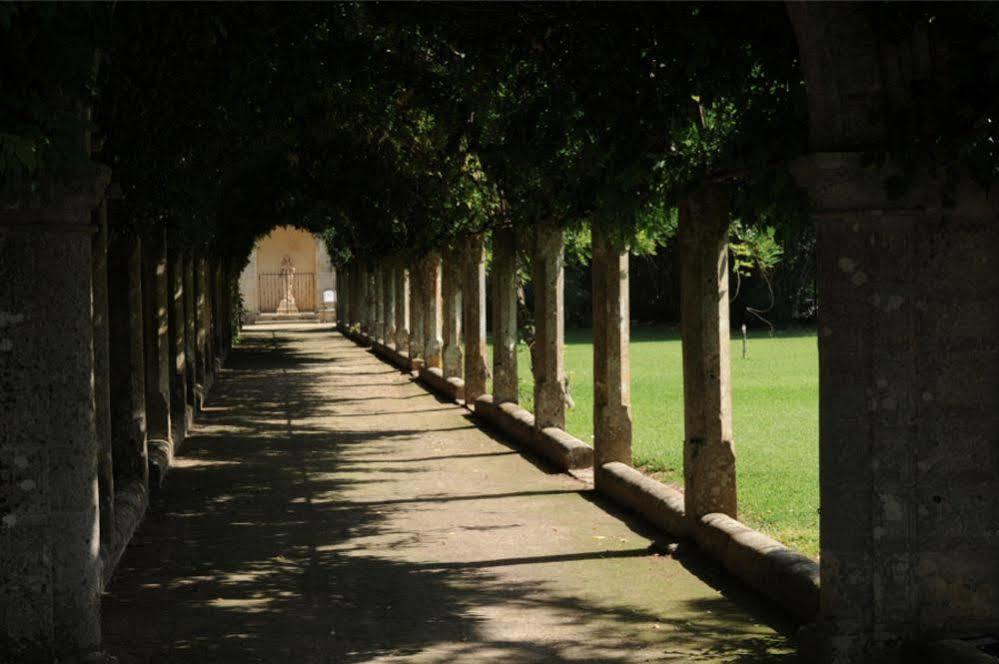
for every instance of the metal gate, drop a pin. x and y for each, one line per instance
(272, 289)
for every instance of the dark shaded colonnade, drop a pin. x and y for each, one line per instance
(109, 345)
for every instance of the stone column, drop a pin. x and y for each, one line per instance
(362, 298)
(401, 309)
(217, 324)
(908, 406)
(225, 307)
(432, 340)
(325, 279)
(708, 448)
(611, 368)
(504, 278)
(360, 291)
(378, 304)
(50, 568)
(474, 318)
(549, 319)
(102, 375)
(346, 306)
(203, 365)
(249, 286)
(452, 356)
(182, 414)
(128, 375)
(156, 301)
(208, 265)
(194, 377)
(203, 290)
(416, 307)
(346, 303)
(341, 302)
(388, 288)
(370, 301)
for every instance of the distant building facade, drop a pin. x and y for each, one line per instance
(288, 272)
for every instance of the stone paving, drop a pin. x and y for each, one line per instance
(328, 509)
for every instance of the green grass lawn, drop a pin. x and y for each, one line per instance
(775, 412)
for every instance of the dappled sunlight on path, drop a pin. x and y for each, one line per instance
(328, 509)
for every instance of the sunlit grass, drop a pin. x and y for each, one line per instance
(775, 413)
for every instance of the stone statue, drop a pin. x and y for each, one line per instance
(287, 305)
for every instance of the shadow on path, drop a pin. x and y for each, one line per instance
(311, 518)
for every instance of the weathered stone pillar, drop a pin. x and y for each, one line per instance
(156, 335)
(182, 413)
(908, 407)
(50, 567)
(504, 278)
(347, 281)
(128, 375)
(102, 375)
(474, 318)
(432, 341)
(549, 319)
(194, 378)
(203, 291)
(341, 300)
(229, 281)
(360, 297)
(325, 281)
(378, 304)
(402, 299)
(389, 295)
(416, 308)
(708, 448)
(611, 368)
(249, 287)
(364, 295)
(452, 356)
(370, 301)
(218, 324)
(203, 366)
(208, 268)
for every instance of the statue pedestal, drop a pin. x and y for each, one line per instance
(287, 306)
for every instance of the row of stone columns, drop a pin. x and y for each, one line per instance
(445, 298)
(99, 332)
(908, 470)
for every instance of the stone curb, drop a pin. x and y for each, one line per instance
(131, 499)
(387, 353)
(457, 386)
(785, 576)
(160, 459)
(562, 449)
(661, 505)
(434, 379)
(130, 502)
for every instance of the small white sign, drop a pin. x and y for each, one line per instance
(329, 297)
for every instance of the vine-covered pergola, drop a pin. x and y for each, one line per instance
(145, 148)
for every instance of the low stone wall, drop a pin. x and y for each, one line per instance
(662, 506)
(130, 502)
(552, 443)
(434, 379)
(387, 353)
(785, 576)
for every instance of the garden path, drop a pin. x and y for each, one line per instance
(329, 509)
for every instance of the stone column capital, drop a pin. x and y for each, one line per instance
(59, 205)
